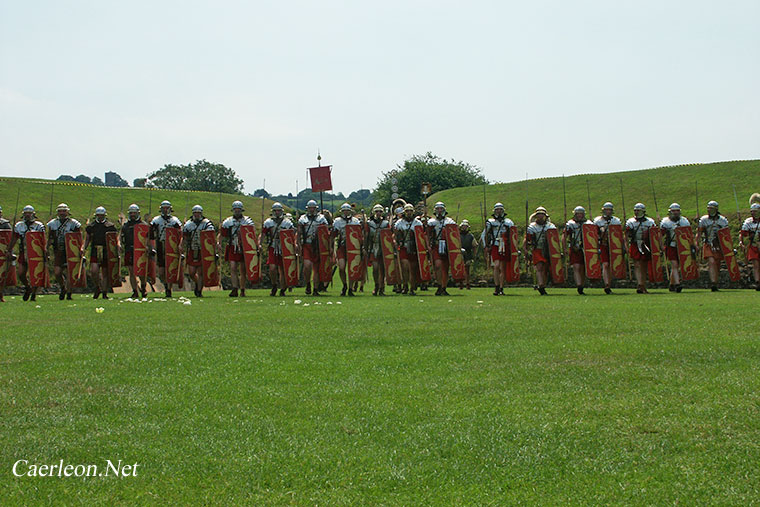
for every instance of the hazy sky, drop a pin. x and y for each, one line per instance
(542, 87)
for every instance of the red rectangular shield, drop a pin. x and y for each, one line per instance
(556, 266)
(250, 253)
(325, 261)
(727, 247)
(617, 251)
(74, 267)
(687, 264)
(112, 258)
(140, 256)
(655, 263)
(35, 258)
(389, 258)
(591, 256)
(320, 178)
(208, 259)
(354, 266)
(172, 255)
(423, 261)
(289, 261)
(6, 269)
(454, 245)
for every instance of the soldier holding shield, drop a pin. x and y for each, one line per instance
(749, 240)
(669, 224)
(375, 224)
(407, 248)
(573, 238)
(439, 245)
(5, 225)
(495, 235)
(57, 229)
(158, 227)
(707, 232)
(637, 228)
(127, 241)
(233, 252)
(309, 244)
(603, 222)
(537, 244)
(338, 236)
(28, 223)
(191, 232)
(271, 231)
(96, 239)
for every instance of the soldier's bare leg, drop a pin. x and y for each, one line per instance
(442, 270)
(242, 277)
(273, 277)
(21, 274)
(713, 268)
(58, 274)
(315, 279)
(675, 275)
(307, 269)
(497, 277)
(755, 269)
(606, 275)
(579, 274)
(342, 273)
(640, 268)
(542, 271)
(378, 275)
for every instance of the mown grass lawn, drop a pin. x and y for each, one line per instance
(399, 400)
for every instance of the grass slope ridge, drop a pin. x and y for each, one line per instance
(672, 184)
(83, 199)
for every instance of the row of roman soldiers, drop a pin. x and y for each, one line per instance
(405, 249)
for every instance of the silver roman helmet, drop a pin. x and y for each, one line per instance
(311, 207)
(639, 210)
(345, 210)
(378, 207)
(237, 205)
(166, 208)
(607, 205)
(28, 212)
(133, 211)
(277, 209)
(62, 210)
(100, 214)
(197, 208)
(754, 209)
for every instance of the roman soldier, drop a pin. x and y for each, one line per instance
(271, 231)
(603, 222)
(191, 233)
(96, 238)
(537, 246)
(396, 212)
(375, 224)
(28, 223)
(5, 225)
(158, 227)
(339, 236)
(469, 245)
(308, 244)
(573, 238)
(497, 229)
(438, 245)
(233, 252)
(407, 249)
(639, 251)
(127, 241)
(57, 229)
(749, 240)
(707, 232)
(669, 224)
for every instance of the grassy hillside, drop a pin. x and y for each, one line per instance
(675, 183)
(83, 199)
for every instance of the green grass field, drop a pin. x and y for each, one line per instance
(672, 184)
(405, 400)
(82, 199)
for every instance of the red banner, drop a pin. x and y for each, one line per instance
(290, 264)
(325, 262)
(655, 263)
(140, 254)
(423, 261)
(173, 255)
(389, 259)
(74, 262)
(727, 247)
(250, 253)
(6, 268)
(454, 245)
(208, 259)
(320, 178)
(556, 266)
(112, 258)
(617, 251)
(35, 258)
(354, 266)
(591, 251)
(686, 262)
